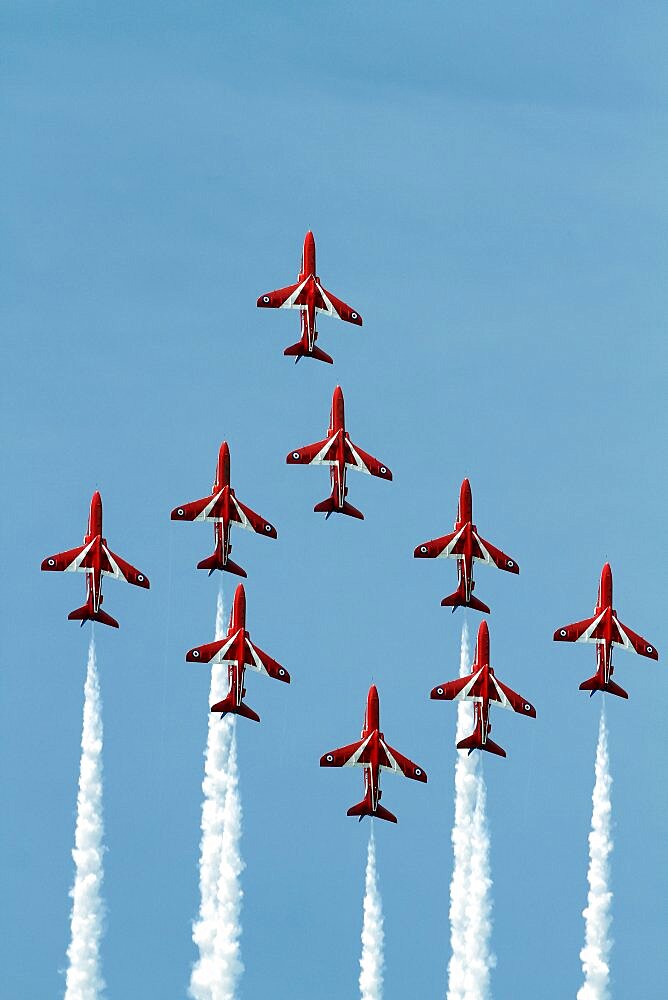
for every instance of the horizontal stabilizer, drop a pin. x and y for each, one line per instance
(298, 351)
(86, 614)
(227, 705)
(473, 742)
(215, 561)
(363, 809)
(594, 684)
(458, 600)
(330, 506)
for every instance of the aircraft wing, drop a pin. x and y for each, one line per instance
(490, 554)
(215, 651)
(320, 453)
(197, 510)
(346, 756)
(258, 660)
(632, 641)
(459, 690)
(363, 462)
(123, 570)
(336, 307)
(72, 561)
(507, 698)
(397, 762)
(283, 298)
(248, 519)
(448, 546)
(584, 631)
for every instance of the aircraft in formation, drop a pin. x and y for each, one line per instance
(238, 652)
(96, 560)
(606, 631)
(466, 546)
(338, 451)
(375, 755)
(223, 508)
(484, 689)
(309, 296)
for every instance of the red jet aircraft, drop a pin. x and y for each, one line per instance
(483, 689)
(374, 755)
(238, 652)
(223, 508)
(606, 630)
(97, 560)
(465, 545)
(310, 298)
(338, 451)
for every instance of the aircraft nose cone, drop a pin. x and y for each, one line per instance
(372, 711)
(239, 609)
(482, 644)
(465, 501)
(605, 588)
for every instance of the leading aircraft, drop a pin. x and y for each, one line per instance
(374, 755)
(338, 451)
(309, 296)
(223, 508)
(483, 688)
(95, 559)
(466, 546)
(606, 630)
(238, 652)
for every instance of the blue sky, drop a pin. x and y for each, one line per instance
(488, 188)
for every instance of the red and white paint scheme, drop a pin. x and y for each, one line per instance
(309, 296)
(483, 688)
(606, 630)
(238, 652)
(95, 559)
(374, 755)
(467, 546)
(223, 508)
(338, 451)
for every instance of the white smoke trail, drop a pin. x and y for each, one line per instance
(213, 977)
(371, 962)
(479, 960)
(470, 900)
(230, 894)
(595, 955)
(84, 978)
(465, 796)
